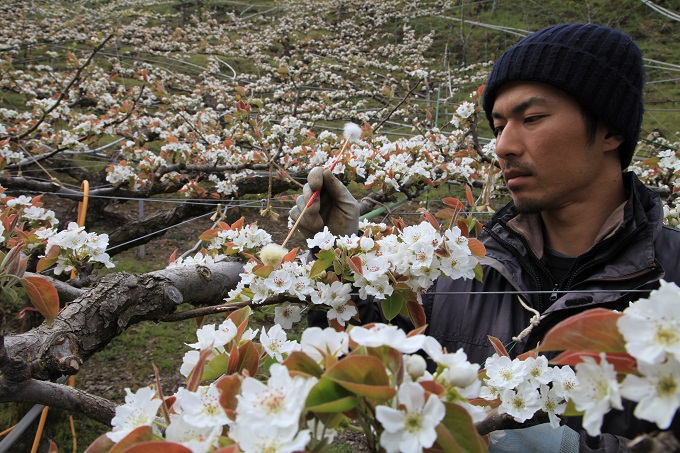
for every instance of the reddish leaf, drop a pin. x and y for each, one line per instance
(240, 319)
(468, 195)
(49, 259)
(300, 362)
(211, 234)
(430, 218)
(498, 346)
(433, 387)
(249, 358)
(173, 257)
(290, 256)
(446, 213)
(233, 359)
(417, 331)
(416, 313)
(476, 247)
(356, 265)
(363, 375)
(157, 446)
(12, 260)
(591, 330)
(194, 379)
(136, 436)
(101, 445)
(229, 387)
(238, 224)
(622, 362)
(43, 296)
(463, 226)
(453, 203)
(53, 447)
(159, 392)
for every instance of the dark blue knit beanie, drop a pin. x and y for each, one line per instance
(599, 66)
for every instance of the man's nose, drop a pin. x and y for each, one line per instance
(507, 142)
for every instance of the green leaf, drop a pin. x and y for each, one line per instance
(327, 255)
(263, 271)
(479, 272)
(215, 368)
(43, 296)
(363, 375)
(319, 266)
(457, 433)
(328, 396)
(392, 305)
(592, 330)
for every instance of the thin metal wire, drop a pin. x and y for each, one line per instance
(160, 231)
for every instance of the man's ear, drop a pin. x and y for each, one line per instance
(612, 140)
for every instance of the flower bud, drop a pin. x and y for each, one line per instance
(272, 255)
(414, 365)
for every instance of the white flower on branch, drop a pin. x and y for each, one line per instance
(412, 428)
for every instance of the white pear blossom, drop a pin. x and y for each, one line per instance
(651, 327)
(278, 403)
(520, 402)
(597, 392)
(552, 404)
(317, 343)
(323, 239)
(198, 440)
(386, 335)
(504, 373)
(413, 428)
(276, 343)
(657, 391)
(202, 408)
(140, 409)
(287, 314)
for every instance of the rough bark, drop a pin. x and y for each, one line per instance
(91, 321)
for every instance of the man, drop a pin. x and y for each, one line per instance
(566, 106)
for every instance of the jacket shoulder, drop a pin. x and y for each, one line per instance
(667, 251)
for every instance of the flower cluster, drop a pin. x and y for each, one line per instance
(327, 372)
(527, 386)
(391, 264)
(72, 248)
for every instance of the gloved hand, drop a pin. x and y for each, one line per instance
(335, 206)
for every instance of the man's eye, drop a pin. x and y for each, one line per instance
(497, 130)
(532, 119)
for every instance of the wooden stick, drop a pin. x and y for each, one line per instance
(314, 196)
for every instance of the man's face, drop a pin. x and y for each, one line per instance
(543, 148)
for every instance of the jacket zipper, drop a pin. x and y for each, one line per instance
(525, 265)
(591, 263)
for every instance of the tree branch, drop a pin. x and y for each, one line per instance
(63, 397)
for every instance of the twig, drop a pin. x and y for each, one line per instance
(396, 107)
(61, 97)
